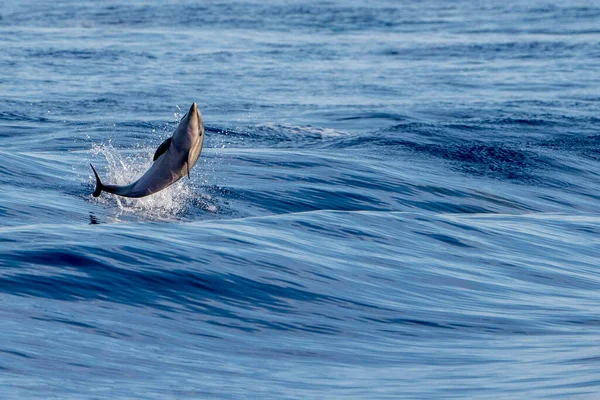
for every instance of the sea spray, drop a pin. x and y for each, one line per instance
(124, 167)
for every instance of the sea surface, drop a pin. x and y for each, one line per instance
(396, 200)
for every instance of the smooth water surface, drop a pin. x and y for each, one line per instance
(395, 200)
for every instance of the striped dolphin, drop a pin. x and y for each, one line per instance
(172, 160)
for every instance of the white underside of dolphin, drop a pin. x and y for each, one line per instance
(173, 159)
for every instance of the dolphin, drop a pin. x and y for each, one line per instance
(172, 160)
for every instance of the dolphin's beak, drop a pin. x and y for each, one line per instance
(193, 120)
(193, 109)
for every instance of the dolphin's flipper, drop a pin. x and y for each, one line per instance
(99, 185)
(162, 148)
(193, 154)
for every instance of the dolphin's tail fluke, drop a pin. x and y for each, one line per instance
(99, 185)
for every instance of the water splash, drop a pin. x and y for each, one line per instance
(125, 167)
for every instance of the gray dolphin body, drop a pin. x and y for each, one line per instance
(172, 161)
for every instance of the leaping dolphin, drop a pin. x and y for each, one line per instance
(172, 161)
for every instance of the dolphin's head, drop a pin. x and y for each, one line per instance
(190, 128)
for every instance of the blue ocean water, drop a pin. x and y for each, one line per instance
(396, 199)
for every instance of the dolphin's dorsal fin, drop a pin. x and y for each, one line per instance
(162, 148)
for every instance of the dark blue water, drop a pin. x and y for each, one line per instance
(395, 200)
